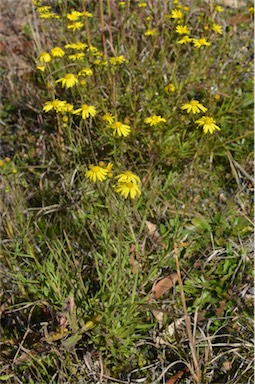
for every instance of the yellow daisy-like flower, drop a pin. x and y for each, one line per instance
(109, 118)
(200, 42)
(128, 188)
(182, 30)
(117, 60)
(176, 14)
(154, 120)
(77, 56)
(57, 105)
(194, 106)
(217, 28)
(87, 14)
(120, 129)
(169, 88)
(68, 108)
(41, 68)
(43, 9)
(48, 15)
(96, 173)
(208, 124)
(68, 81)
(85, 111)
(79, 46)
(184, 40)
(57, 52)
(85, 72)
(74, 15)
(127, 177)
(251, 10)
(75, 26)
(151, 32)
(142, 5)
(218, 8)
(44, 57)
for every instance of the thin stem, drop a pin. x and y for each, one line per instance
(197, 373)
(102, 25)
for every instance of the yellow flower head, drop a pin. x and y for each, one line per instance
(77, 56)
(85, 72)
(200, 42)
(96, 173)
(151, 32)
(169, 88)
(217, 28)
(142, 5)
(79, 46)
(184, 40)
(117, 60)
(43, 9)
(75, 26)
(41, 68)
(128, 188)
(154, 120)
(127, 177)
(57, 52)
(176, 14)
(44, 57)
(87, 14)
(120, 129)
(218, 8)
(194, 106)
(68, 81)
(208, 124)
(48, 15)
(182, 30)
(57, 105)
(109, 118)
(85, 111)
(74, 15)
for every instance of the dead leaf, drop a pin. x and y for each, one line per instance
(159, 316)
(227, 365)
(164, 285)
(175, 325)
(153, 232)
(177, 376)
(136, 267)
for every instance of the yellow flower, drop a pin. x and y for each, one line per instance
(176, 14)
(194, 106)
(76, 56)
(68, 81)
(154, 120)
(96, 173)
(44, 57)
(87, 14)
(57, 105)
(68, 108)
(43, 9)
(41, 68)
(57, 52)
(208, 124)
(76, 25)
(184, 40)
(169, 88)
(85, 111)
(122, 4)
(217, 28)
(1, 163)
(8, 160)
(151, 32)
(142, 5)
(85, 72)
(120, 129)
(218, 8)
(199, 42)
(109, 118)
(251, 10)
(48, 15)
(182, 30)
(74, 15)
(117, 60)
(128, 188)
(127, 177)
(78, 46)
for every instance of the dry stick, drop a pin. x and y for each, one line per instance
(102, 25)
(197, 373)
(109, 21)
